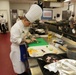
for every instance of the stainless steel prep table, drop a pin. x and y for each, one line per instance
(36, 64)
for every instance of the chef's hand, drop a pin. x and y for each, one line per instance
(28, 41)
(33, 39)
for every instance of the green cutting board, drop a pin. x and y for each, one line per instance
(40, 42)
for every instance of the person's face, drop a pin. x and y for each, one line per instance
(26, 23)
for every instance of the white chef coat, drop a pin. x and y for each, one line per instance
(18, 31)
(2, 21)
(71, 22)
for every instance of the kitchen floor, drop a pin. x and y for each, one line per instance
(5, 63)
(34, 67)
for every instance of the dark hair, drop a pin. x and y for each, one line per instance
(2, 16)
(73, 15)
(58, 15)
(54, 16)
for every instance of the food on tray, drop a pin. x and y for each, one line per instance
(42, 50)
(55, 51)
(48, 59)
(31, 50)
(51, 59)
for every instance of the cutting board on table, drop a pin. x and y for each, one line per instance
(40, 42)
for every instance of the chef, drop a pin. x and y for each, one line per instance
(19, 36)
(71, 23)
(3, 24)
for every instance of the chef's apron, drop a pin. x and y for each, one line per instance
(23, 53)
(24, 57)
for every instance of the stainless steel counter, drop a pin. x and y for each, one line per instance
(34, 66)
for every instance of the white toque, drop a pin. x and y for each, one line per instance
(34, 13)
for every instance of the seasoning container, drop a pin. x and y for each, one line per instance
(49, 37)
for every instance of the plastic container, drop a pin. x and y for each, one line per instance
(49, 37)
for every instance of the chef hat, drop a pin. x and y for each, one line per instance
(34, 13)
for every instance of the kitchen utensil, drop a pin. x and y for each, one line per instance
(63, 48)
(58, 43)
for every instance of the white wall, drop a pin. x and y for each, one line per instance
(65, 7)
(56, 4)
(57, 11)
(20, 6)
(5, 6)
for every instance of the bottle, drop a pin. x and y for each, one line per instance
(49, 37)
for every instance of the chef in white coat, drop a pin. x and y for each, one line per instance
(18, 36)
(71, 23)
(3, 24)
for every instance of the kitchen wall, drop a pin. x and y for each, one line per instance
(5, 6)
(20, 6)
(20, 9)
(57, 11)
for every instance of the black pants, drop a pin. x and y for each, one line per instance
(25, 73)
(3, 28)
(28, 72)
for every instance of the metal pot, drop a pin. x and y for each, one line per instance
(71, 53)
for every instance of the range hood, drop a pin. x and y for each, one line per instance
(53, 3)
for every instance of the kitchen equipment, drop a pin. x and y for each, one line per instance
(63, 48)
(58, 43)
(51, 57)
(71, 53)
(40, 31)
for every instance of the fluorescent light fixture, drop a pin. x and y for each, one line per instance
(67, 0)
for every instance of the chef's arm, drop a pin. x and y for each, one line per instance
(26, 40)
(31, 37)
